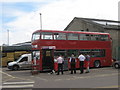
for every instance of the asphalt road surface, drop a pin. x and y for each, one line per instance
(106, 77)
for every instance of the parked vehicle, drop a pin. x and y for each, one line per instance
(48, 44)
(116, 64)
(24, 62)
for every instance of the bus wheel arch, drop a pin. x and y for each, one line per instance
(15, 67)
(97, 64)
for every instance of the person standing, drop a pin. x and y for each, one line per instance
(87, 63)
(52, 67)
(73, 64)
(81, 59)
(60, 61)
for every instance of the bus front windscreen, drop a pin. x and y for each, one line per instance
(35, 36)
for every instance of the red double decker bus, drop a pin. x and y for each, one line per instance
(48, 44)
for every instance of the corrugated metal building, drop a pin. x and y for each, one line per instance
(99, 25)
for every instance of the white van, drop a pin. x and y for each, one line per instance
(24, 62)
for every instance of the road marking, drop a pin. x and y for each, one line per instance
(40, 78)
(17, 86)
(7, 74)
(17, 83)
(12, 77)
(85, 77)
(114, 86)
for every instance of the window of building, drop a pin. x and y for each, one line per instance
(72, 36)
(4, 55)
(46, 35)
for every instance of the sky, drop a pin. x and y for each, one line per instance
(20, 18)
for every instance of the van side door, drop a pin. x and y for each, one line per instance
(23, 63)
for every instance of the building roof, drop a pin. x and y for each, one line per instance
(106, 24)
(16, 48)
(22, 44)
(25, 46)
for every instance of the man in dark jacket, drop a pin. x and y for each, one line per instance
(73, 64)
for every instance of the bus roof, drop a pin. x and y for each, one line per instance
(100, 33)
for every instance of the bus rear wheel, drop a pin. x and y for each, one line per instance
(116, 65)
(97, 64)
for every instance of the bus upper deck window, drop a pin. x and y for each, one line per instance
(36, 36)
(56, 36)
(72, 36)
(61, 36)
(84, 37)
(46, 35)
(104, 37)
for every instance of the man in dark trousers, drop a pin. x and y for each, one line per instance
(87, 63)
(81, 59)
(73, 64)
(60, 61)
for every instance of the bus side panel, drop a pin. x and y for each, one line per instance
(108, 57)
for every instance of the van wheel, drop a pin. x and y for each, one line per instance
(97, 64)
(16, 67)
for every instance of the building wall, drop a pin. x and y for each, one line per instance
(119, 45)
(80, 25)
(114, 35)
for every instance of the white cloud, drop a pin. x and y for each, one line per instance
(13, 13)
(58, 14)
(21, 0)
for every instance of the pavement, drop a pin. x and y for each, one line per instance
(97, 78)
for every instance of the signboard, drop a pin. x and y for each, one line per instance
(48, 47)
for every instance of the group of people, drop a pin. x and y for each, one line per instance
(81, 57)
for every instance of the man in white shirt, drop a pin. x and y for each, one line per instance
(60, 61)
(81, 59)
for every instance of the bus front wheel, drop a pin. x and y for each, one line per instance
(97, 64)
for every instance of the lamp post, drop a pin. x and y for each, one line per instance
(8, 37)
(40, 21)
